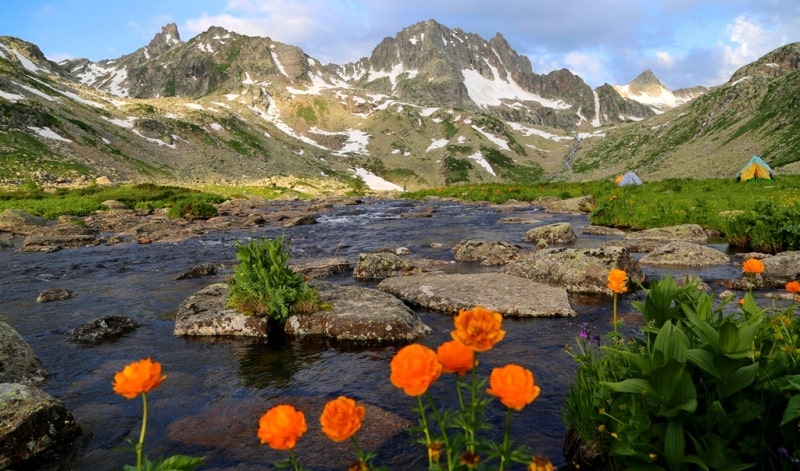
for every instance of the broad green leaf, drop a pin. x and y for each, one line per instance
(674, 442)
(704, 360)
(632, 386)
(792, 411)
(739, 379)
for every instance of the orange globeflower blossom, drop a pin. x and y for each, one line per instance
(618, 281)
(478, 328)
(414, 368)
(341, 418)
(753, 265)
(793, 287)
(455, 357)
(513, 385)
(281, 427)
(138, 377)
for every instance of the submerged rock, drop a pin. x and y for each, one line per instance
(103, 329)
(54, 294)
(506, 294)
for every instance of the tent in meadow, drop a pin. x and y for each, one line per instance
(755, 169)
(629, 178)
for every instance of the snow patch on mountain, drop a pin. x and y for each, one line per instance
(491, 92)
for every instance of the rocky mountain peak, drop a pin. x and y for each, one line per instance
(166, 39)
(646, 83)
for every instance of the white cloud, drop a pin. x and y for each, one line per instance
(665, 58)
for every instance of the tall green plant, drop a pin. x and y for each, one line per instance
(264, 285)
(705, 386)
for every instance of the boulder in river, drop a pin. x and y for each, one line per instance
(35, 428)
(485, 252)
(18, 362)
(576, 270)
(685, 254)
(682, 232)
(506, 294)
(355, 314)
(556, 233)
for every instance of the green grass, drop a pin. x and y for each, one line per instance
(654, 204)
(85, 201)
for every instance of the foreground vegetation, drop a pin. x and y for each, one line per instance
(703, 387)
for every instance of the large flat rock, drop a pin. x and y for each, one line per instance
(507, 294)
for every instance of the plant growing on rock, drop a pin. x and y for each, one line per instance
(263, 284)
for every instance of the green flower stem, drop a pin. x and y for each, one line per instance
(615, 317)
(140, 445)
(445, 438)
(505, 450)
(472, 409)
(293, 460)
(425, 430)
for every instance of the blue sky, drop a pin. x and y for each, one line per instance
(685, 42)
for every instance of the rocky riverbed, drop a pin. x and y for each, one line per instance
(84, 296)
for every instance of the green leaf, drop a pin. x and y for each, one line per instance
(792, 411)
(631, 385)
(674, 442)
(704, 360)
(741, 378)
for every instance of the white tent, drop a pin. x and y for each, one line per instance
(630, 178)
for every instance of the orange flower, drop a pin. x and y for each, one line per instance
(478, 328)
(281, 427)
(793, 287)
(455, 357)
(753, 265)
(618, 281)
(414, 368)
(741, 301)
(341, 418)
(513, 385)
(138, 377)
(541, 463)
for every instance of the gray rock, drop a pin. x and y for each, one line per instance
(320, 268)
(634, 245)
(205, 314)
(359, 314)
(54, 294)
(682, 232)
(52, 238)
(18, 362)
(305, 220)
(5, 243)
(114, 204)
(506, 294)
(576, 270)
(377, 266)
(685, 254)
(103, 329)
(19, 222)
(779, 269)
(34, 427)
(197, 271)
(486, 252)
(355, 314)
(557, 233)
(603, 231)
(581, 204)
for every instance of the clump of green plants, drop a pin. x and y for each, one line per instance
(192, 207)
(264, 285)
(703, 387)
(769, 228)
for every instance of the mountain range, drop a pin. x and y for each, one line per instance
(430, 106)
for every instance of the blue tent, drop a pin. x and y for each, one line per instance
(629, 178)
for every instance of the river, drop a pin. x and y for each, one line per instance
(217, 388)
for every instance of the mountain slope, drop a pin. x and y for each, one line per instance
(431, 106)
(755, 112)
(648, 90)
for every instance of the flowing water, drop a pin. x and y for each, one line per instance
(217, 388)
